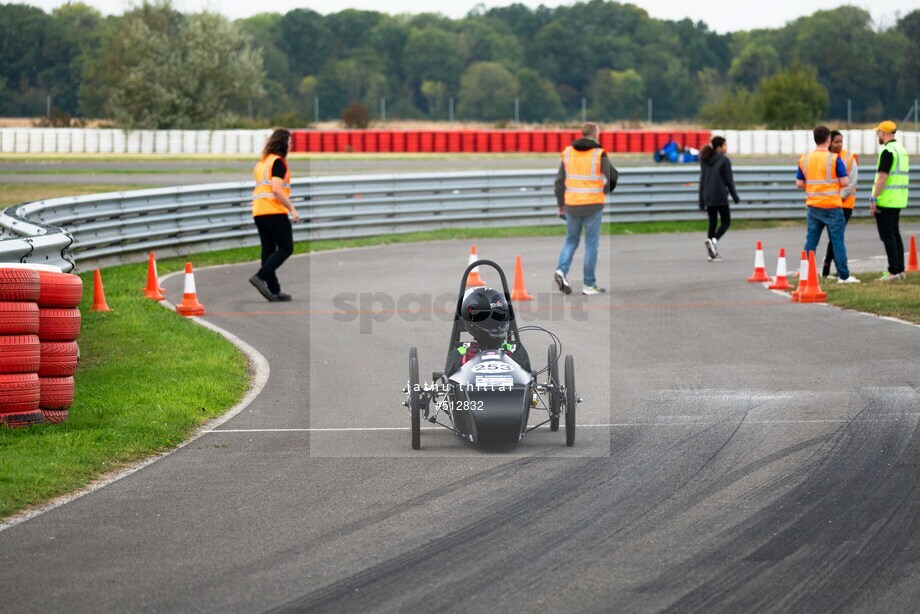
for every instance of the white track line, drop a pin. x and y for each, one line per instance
(260, 374)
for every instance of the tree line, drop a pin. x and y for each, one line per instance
(155, 67)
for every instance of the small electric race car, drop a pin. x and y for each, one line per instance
(487, 388)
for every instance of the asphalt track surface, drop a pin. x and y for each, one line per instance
(737, 452)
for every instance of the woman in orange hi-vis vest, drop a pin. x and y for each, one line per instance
(271, 206)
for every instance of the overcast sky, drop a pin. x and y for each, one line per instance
(721, 15)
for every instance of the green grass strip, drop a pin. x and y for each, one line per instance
(896, 299)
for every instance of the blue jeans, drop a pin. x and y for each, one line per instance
(573, 226)
(836, 224)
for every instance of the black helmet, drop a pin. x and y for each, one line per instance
(487, 317)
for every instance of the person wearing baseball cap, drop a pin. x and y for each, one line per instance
(889, 197)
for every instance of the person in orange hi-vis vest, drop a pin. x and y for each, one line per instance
(847, 195)
(584, 179)
(272, 212)
(823, 175)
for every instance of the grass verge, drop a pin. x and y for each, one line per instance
(899, 299)
(147, 378)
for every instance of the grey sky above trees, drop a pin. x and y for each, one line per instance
(719, 15)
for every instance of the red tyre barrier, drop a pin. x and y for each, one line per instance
(19, 285)
(440, 142)
(538, 141)
(314, 141)
(426, 141)
(18, 318)
(496, 141)
(454, 141)
(18, 393)
(19, 354)
(607, 141)
(620, 142)
(370, 141)
(412, 141)
(385, 141)
(355, 141)
(510, 142)
(399, 142)
(299, 141)
(469, 139)
(524, 141)
(328, 142)
(482, 141)
(635, 142)
(57, 358)
(54, 417)
(341, 141)
(650, 141)
(60, 289)
(553, 142)
(58, 324)
(55, 393)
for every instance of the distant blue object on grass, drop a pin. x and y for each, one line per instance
(673, 152)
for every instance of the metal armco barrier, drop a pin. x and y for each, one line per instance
(124, 226)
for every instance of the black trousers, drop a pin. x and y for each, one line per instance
(887, 220)
(277, 238)
(714, 214)
(829, 256)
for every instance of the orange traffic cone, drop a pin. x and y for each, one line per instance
(803, 277)
(153, 290)
(519, 293)
(912, 264)
(813, 293)
(190, 305)
(473, 279)
(760, 268)
(99, 303)
(780, 283)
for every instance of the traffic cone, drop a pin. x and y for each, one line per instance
(190, 305)
(519, 293)
(780, 283)
(99, 303)
(760, 268)
(813, 293)
(912, 264)
(153, 290)
(473, 279)
(803, 277)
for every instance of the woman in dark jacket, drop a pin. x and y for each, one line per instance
(716, 183)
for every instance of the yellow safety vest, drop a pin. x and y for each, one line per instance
(822, 186)
(264, 201)
(584, 179)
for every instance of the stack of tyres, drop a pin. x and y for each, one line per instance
(19, 347)
(59, 327)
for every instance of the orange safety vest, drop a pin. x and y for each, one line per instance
(848, 158)
(584, 180)
(264, 202)
(822, 186)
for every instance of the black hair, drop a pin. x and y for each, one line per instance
(835, 133)
(708, 149)
(277, 143)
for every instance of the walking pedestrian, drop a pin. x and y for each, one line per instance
(847, 195)
(823, 175)
(716, 183)
(889, 197)
(271, 208)
(584, 179)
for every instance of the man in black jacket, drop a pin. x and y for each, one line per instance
(716, 183)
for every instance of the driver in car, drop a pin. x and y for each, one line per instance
(487, 318)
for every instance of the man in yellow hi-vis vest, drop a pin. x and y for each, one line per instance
(584, 179)
(889, 197)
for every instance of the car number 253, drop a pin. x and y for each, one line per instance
(491, 367)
